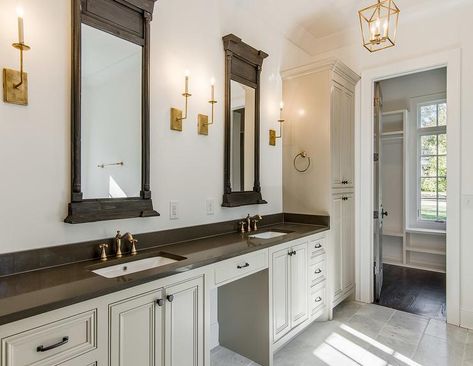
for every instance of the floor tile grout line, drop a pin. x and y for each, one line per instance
(421, 338)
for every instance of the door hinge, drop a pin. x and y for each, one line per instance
(376, 157)
(376, 101)
(375, 215)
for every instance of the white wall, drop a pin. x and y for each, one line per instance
(187, 167)
(441, 27)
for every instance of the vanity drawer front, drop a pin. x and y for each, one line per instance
(53, 343)
(235, 268)
(317, 270)
(317, 300)
(317, 247)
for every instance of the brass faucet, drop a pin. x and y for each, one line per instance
(248, 223)
(255, 219)
(129, 237)
(118, 245)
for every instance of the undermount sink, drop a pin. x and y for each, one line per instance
(135, 266)
(267, 235)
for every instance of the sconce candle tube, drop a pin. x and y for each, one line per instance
(21, 29)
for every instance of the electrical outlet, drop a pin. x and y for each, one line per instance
(210, 206)
(173, 210)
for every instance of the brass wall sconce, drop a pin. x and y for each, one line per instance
(176, 114)
(203, 120)
(15, 83)
(272, 133)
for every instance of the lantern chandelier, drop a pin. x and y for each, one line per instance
(379, 25)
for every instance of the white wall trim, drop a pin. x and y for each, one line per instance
(364, 172)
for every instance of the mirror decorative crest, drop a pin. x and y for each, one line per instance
(243, 65)
(110, 110)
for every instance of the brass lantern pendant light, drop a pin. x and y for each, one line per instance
(379, 25)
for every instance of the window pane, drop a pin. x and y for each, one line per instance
(428, 116)
(442, 210)
(442, 187)
(442, 166)
(428, 199)
(428, 166)
(442, 144)
(428, 145)
(442, 114)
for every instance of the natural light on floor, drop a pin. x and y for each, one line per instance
(338, 350)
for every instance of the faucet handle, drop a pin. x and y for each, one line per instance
(242, 226)
(133, 247)
(103, 251)
(118, 236)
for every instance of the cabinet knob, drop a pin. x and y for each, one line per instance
(243, 266)
(292, 252)
(318, 270)
(318, 246)
(160, 302)
(318, 299)
(170, 298)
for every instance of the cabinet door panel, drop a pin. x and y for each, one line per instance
(280, 289)
(336, 228)
(184, 335)
(347, 138)
(348, 243)
(336, 131)
(136, 330)
(299, 285)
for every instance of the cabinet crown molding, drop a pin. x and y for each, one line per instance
(328, 64)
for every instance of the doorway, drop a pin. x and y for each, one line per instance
(365, 169)
(410, 195)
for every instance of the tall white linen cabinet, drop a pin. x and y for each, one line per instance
(319, 103)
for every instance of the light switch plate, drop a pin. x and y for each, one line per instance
(173, 210)
(210, 206)
(468, 201)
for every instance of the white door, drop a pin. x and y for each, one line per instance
(336, 131)
(136, 330)
(348, 242)
(281, 292)
(184, 324)
(347, 152)
(298, 285)
(336, 234)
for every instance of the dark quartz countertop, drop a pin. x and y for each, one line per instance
(32, 293)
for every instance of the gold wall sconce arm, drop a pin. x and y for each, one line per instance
(272, 133)
(202, 119)
(176, 114)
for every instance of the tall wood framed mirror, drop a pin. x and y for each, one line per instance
(110, 110)
(243, 65)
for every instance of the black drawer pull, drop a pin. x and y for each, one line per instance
(160, 302)
(48, 348)
(170, 298)
(318, 299)
(243, 266)
(318, 270)
(318, 246)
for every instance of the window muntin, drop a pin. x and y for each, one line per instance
(432, 162)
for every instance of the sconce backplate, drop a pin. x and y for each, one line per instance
(11, 94)
(203, 124)
(272, 137)
(176, 119)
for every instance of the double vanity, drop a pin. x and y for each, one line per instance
(153, 308)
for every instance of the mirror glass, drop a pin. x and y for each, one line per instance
(111, 78)
(242, 137)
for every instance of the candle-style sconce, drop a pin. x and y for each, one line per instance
(15, 83)
(203, 120)
(272, 133)
(176, 114)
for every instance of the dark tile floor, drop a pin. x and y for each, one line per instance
(414, 291)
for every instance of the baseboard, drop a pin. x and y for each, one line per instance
(214, 335)
(466, 319)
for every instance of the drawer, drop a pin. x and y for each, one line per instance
(317, 300)
(235, 268)
(52, 343)
(317, 247)
(317, 270)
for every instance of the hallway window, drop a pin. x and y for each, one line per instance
(432, 161)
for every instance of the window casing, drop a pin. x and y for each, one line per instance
(432, 163)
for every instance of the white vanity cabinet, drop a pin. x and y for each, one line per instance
(163, 327)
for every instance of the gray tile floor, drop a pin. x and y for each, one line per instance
(369, 335)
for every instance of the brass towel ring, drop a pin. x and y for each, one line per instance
(303, 155)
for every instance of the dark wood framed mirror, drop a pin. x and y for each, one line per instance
(110, 110)
(243, 65)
